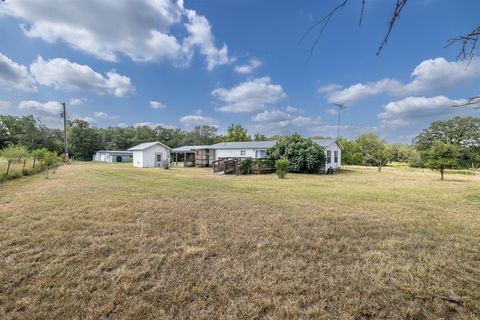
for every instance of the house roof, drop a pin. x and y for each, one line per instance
(244, 145)
(189, 149)
(146, 145)
(115, 152)
(264, 144)
(326, 142)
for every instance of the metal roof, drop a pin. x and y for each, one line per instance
(244, 145)
(146, 145)
(114, 151)
(189, 148)
(262, 144)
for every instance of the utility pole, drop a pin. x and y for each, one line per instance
(64, 114)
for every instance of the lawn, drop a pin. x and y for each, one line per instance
(98, 241)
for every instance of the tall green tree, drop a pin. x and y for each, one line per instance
(236, 132)
(84, 140)
(442, 156)
(462, 132)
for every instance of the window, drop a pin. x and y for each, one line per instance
(259, 154)
(335, 156)
(329, 156)
(159, 157)
(243, 153)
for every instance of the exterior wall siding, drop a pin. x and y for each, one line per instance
(146, 158)
(235, 153)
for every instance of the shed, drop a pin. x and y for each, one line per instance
(150, 155)
(112, 156)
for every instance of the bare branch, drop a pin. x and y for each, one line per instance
(395, 15)
(470, 102)
(322, 24)
(468, 44)
(362, 12)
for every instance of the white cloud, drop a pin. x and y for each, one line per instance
(361, 91)
(329, 88)
(279, 121)
(291, 109)
(250, 96)
(63, 74)
(201, 35)
(88, 119)
(14, 75)
(429, 76)
(302, 121)
(248, 68)
(77, 101)
(151, 125)
(5, 104)
(197, 120)
(149, 30)
(122, 125)
(104, 115)
(409, 111)
(157, 105)
(50, 109)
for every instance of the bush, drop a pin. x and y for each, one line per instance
(303, 154)
(282, 168)
(246, 166)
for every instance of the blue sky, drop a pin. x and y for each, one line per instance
(221, 62)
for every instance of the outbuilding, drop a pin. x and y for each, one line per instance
(151, 155)
(112, 156)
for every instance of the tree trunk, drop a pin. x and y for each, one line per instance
(441, 174)
(379, 168)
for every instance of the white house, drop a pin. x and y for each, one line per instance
(257, 149)
(150, 155)
(112, 156)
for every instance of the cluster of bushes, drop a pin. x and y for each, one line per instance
(30, 162)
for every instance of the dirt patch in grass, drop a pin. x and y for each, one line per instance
(99, 241)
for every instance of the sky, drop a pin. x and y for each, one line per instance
(218, 62)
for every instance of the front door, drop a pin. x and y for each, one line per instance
(158, 159)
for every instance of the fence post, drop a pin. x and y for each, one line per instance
(8, 166)
(24, 163)
(34, 160)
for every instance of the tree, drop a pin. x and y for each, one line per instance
(15, 153)
(236, 132)
(374, 150)
(303, 154)
(203, 135)
(442, 156)
(462, 132)
(260, 137)
(84, 141)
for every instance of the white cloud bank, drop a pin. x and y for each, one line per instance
(430, 76)
(5, 104)
(277, 121)
(63, 74)
(104, 116)
(50, 109)
(197, 120)
(249, 96)
(144, 30)
(15, 76)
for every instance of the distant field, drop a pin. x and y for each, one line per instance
(100, 241)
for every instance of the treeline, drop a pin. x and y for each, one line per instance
(461, 133)
(84, 140)
(457, 138)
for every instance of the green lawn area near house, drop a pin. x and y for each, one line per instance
(109, 241)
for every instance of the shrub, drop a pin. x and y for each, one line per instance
(303, 154)
(282, 168)
(246, 166)
(14, 153)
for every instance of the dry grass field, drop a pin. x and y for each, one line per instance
(99, 241)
